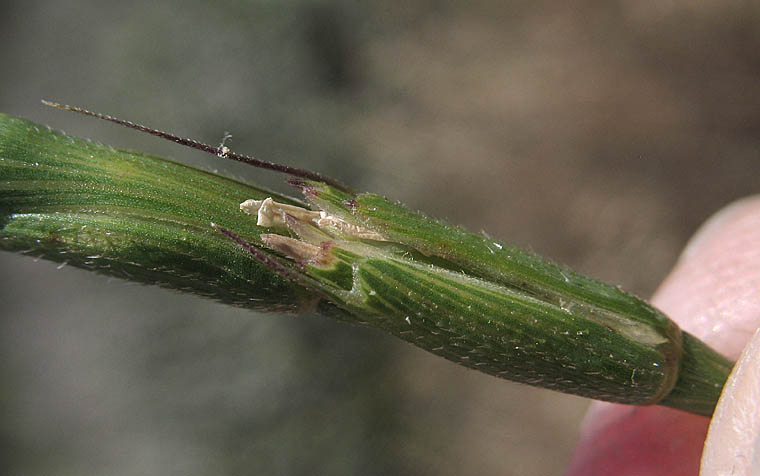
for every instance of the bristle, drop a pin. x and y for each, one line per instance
(222, 152)
(306, 189)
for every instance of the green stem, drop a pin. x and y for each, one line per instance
(132, 216)
(357, 257)
(701, 378)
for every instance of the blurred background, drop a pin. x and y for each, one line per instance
(598, 133)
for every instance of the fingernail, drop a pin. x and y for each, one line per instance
(733, 441)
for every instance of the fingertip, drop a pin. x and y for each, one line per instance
(714, 290)
(714, 293)
(651, 440)
(717, 223)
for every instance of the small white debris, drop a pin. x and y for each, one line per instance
(271, 213)
(223, 149)
(354, 231)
